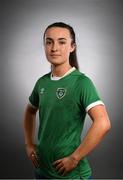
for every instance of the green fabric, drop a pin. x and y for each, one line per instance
(62, 113)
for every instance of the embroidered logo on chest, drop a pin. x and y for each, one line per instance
(60, 93)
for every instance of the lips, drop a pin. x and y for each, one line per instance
(55, 55)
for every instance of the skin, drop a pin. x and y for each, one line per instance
(29, 131)
(58, 45)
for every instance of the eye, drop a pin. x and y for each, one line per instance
(62, 42)
(48, 42)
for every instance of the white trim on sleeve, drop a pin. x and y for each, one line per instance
(32, 105)
(93, 104)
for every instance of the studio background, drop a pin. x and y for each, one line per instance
(99, 30)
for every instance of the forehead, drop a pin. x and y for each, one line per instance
(57, 32)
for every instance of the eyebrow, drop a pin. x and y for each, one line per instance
(48, 38)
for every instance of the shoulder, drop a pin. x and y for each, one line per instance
(43, 78)
(83, 78)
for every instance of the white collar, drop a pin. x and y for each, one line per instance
(55, 78)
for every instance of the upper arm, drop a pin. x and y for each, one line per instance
(31, 108)
(98, 114)
(34, 96)
(89, 95)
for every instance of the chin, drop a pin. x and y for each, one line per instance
(55, 63)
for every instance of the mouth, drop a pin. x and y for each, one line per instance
(55, 55)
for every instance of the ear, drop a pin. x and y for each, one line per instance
(73, 46)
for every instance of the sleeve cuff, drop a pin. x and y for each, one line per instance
(32, 105)
(93, 104)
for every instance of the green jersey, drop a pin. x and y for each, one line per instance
(63, 105)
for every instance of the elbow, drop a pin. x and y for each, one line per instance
(106, 126)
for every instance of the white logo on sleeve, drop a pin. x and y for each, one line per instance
(42, 90)
(60, 93)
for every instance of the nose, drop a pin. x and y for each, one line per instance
(54, 47)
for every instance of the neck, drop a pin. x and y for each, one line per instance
(60, 70)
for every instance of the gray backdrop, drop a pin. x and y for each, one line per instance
(98, 27)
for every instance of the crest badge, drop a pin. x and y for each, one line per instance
(60, 93)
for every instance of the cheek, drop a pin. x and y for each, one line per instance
(66, 50)
(47, 50)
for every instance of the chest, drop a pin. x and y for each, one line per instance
(56, 96)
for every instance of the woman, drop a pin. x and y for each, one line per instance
(63, 97)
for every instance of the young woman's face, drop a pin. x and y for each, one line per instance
(58, 46)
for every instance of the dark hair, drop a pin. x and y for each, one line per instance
(73, 55)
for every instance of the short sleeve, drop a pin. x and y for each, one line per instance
(89, 94)
(34, 97)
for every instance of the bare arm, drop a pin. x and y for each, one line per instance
(29, 124)
(101, 125)
(29, 131)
